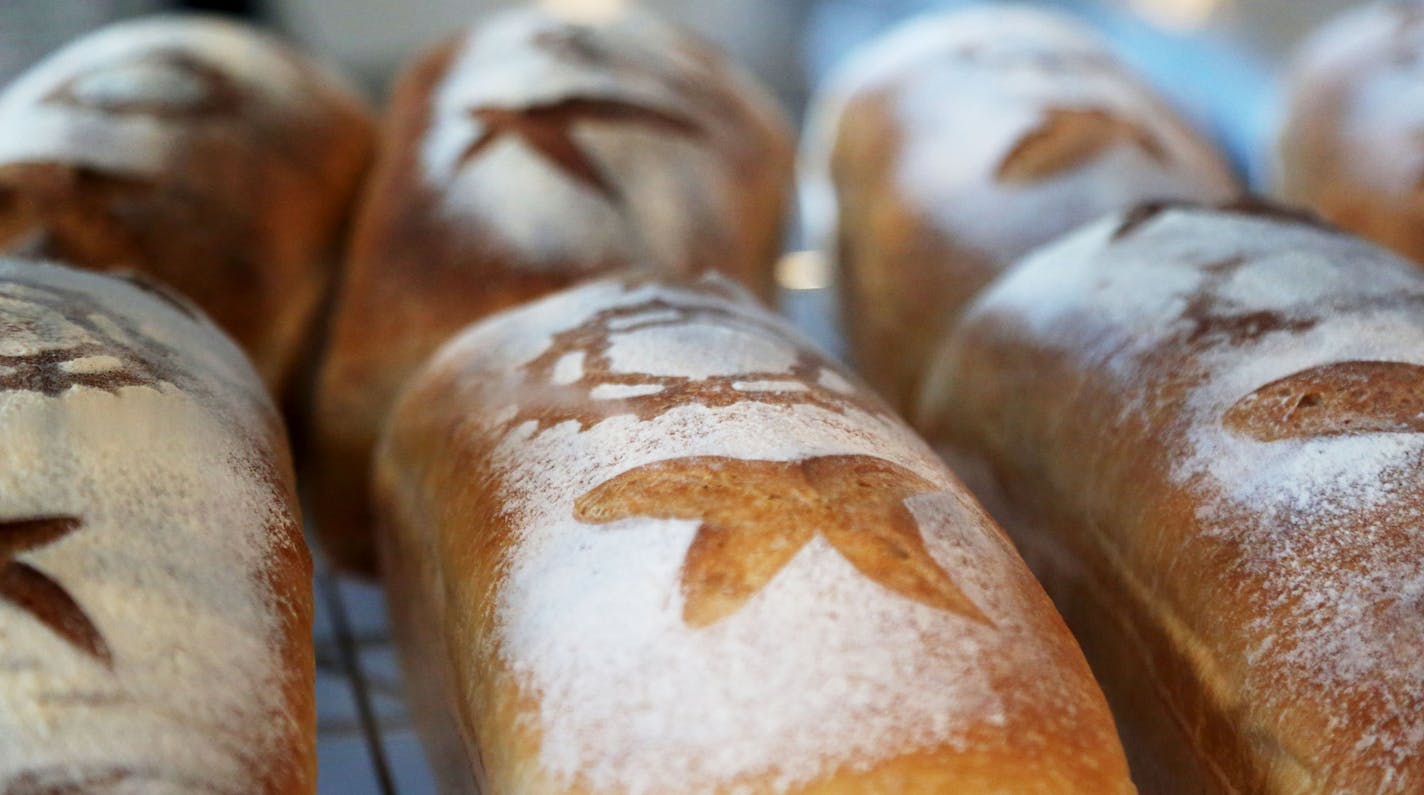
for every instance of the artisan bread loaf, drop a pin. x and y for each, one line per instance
(155, 590)
(639, 537)
(1349, 145)
(195, 151)
(945, 150)
(532, 152)
(1203, 429)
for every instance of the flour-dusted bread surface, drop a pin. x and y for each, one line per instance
(641, 538)
(192, 150)
(948, 148)
(527, 154)
(1350, 143)
(155, 591)
(1203, 428)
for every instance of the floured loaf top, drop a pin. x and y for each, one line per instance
(1270, 372)
(145, 501)
(1013, 124)
(623, 131)
(724, 563)
(137, 97)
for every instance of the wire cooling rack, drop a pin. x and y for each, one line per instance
(365, 743)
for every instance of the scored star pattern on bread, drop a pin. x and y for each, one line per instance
(561, 402)
(700, 77)
(757, 515)
(547, 129)
(1070, 138)
(39, 596)
(54, 371)
(49, 372)
(1338, 399)
(1144, 213)
(220, 95)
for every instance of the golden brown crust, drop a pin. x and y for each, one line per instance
(856, 503)
(167, 646)
(963, 141)
(290, 576)
(194, 207)
(1349, 145)
(1188, 419)
(804, 504)
(432, 253)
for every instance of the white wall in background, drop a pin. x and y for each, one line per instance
(372, 38)
(1274, 27)
(31, 29)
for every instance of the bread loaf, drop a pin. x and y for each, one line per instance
(950, 147)
(639, 538)
(532, 152)
(195, 151)
(1349, 145)
(1203, 429)
(155, 591)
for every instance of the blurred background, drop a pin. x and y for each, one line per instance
(1216, 58)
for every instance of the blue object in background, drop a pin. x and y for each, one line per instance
(1227, 93)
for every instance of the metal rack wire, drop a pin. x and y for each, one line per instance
(365, 745)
